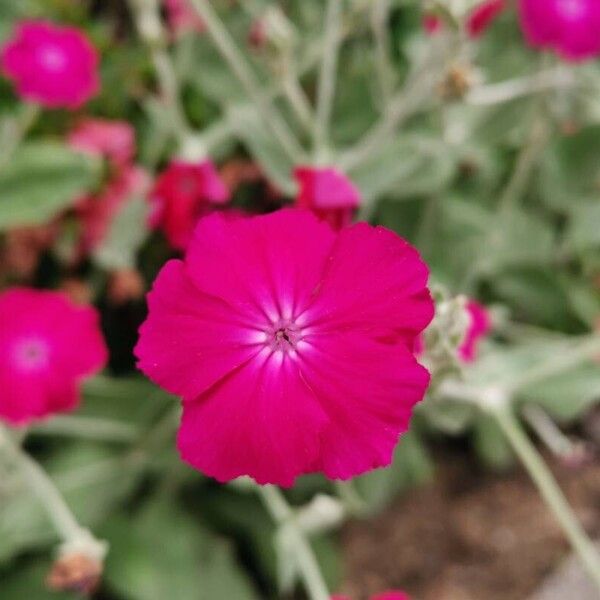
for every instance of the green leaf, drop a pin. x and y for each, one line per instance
(584, 226)
(164, 553)
(40, 180)
(412, 165)
(570, 170)
(251, 129)
(567, 396)
(491, 445)
(125, 237)
(28, 583)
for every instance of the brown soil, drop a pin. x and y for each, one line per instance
(469, 535)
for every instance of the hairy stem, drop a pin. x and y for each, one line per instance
(327, 76)
(146, 15)
(242, 70)
(307, 565)
(379, 25)
(549, 490)
(43, 487)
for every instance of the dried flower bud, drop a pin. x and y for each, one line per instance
(125, 285)
(459, 79)
(75, 573)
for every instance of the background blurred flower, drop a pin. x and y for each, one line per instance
(570, 27)
(483, 15)
(48, 345)
(328, 193)
(390, 595)
(183, 193)
(289, 344)
(479, 327)
(53, 65)
(181, 17)
(114, 140)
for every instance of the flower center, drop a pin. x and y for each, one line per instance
(283, 336)
(53, 58)
(571, 9)
(31, 354)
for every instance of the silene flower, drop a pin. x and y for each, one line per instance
(52, 65)
(182, 18)
(328, 193)
(569, 27)
(182, 194)
(478, 20)
(290, 345)
(479, 326)
(48, 345)
(113, 140)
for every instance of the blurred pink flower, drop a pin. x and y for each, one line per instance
(432, 24)
(328, 193)
(289, 345)
(182, 17)
(477, 22)
(48, 345)
(97, 211)
(182, 194)
(483, 15)
(113, 140)
(479, 326)
(53, 65)
(569, 27)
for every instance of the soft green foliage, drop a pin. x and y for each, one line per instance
(499, 190)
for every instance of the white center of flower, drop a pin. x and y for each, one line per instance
(53, 58)
(283, 335)
(571, 9)
(31, 354)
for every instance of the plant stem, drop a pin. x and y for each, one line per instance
(43, 487)
(327, 76)
(297, 98)
(586, 349)
(379, 24)
(526, 161)
(247, 78)
(308, 567)
(146, 15)
(511, 89)
(413, 98)
(92, 428)
(549, 490)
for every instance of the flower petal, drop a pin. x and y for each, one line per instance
(376, 283)
(262, 421)
(368, 390)
(191, 340)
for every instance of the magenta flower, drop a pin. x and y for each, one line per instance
(432, 24)
(328, 193)
(479, 326)
(182, 194)
(48, 345)
(569, 27)
(113, 140)
(483, 15)
(289, 344)
(52, 65)
(182, 17)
